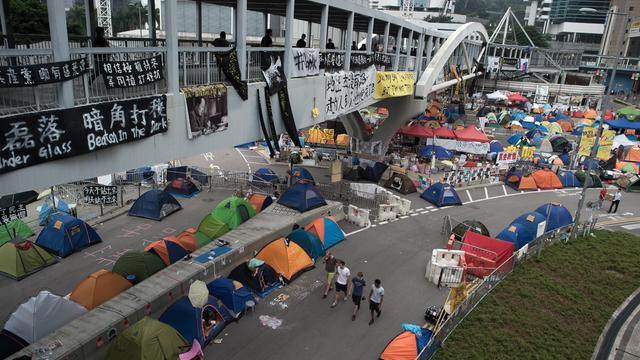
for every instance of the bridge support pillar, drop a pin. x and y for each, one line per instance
(396, 59)
(60, 47)
(324, 23)
(171, 31)
(418, 67)
(387, 27)
(347, 57)
(370, 34)
(429, 48)
(409, 47)
(241, 37)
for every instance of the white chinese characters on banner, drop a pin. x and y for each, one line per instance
(469, 147)
(346, 91)
(542, 94)
(305, 62)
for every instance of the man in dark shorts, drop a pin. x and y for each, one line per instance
(376, 295)
(342, 282)
(330, 267)
(356, 293)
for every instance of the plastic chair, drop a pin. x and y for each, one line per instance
(194, 353)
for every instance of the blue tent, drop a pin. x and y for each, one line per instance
(65, 234)
(522, 230)
(537, 132)
(512, 178)
(577, 130)
(565, 158)
(538, 118)
(310, 243)
(623, 123)
(266, 175)
(441, 153)
(154, 205)
(519, 116)
(496, 146)
(233, 294)
(190, 321)
(560, 116)
(515, 138)
(557, 215)
(327, 230)
(373, 173)
(299, 173)
(569, 180)
(302, 196)
(185, 172)
(595, 164)
(441, 194)
(47, 209)
(528, 125)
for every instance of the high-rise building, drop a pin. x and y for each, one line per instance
(622, 29)
(568, 11)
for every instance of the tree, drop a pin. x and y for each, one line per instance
(129, 17)
(29, 17)
(76, 23)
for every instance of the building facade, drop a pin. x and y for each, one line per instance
(622, 29)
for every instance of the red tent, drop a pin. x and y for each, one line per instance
(471, 134)
(484, 254)
(517, 98)
(444, 132)
(416, 130)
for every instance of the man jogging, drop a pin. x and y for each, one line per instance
(616, 201)
(330, 267)
(356, 293)
(376, 295)
(342, 282)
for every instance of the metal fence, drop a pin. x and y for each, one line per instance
(260, 58)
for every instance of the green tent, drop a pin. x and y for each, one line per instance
(202, 239)
(16, 230)
(628, 168)
(629, 112)
(18, 261)
(148, 339)
(142, 264)
(211, 228)
(233, 211)
(595, 179)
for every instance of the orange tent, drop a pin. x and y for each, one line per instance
(590, 114)
(285, 257)
(566, 126)
(527, 183)
(546, 179)
(633, 154)
(186, 239)
(259, 201)
(97, 288)
(621, 164)
(402, 347)
(169, 250)
(516, 127)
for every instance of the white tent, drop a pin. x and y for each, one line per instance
(42, 314)
(622, 140)
(497, 95)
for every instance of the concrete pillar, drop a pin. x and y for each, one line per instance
(370, 34)
(309, 35)
(288, 36)
(429, 48)
(88, 6)
(418, 67)
(60, 47)
(387, 27)
(396, 59)
(324, 25)
(199, 22)
(409, 46)
(7, 26)
(347, 57)
(171, 36)
(151, 4)
(240, 36)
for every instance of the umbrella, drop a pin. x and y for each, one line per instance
(198, 294)
(517, 98)
(254, 263)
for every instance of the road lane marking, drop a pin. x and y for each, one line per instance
(424, 212)
(486, 193)
(504, 189)
(469, 195)
(244, 158)
(416, 214)
(631, 227)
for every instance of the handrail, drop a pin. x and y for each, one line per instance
(115, 50)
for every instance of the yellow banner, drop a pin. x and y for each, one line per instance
(527, 152)
(606, 141)
(586, 141)
(394, 84)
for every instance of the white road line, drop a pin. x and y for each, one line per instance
(244, 158)
(257, 163)
(429, 207)
(420, 209)
(416, 214)
(435, 210)
(469, 195)
(374, 225)
(404, 217)
(383, 222)
(424, 212)
(631, 227)
(357, 231)
(486, 193)
(504, 189)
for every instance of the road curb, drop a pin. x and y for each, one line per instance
(598, 351)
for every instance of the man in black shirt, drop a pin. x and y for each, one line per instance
(265, 57)
(266, 39)
(99, 41)
(301, 42)
(221, 41)
(354, 46)
(330, 45)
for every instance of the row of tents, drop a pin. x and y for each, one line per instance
(546, 179)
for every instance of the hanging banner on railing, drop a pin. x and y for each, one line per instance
(361, 61)
(35, 138)
(287, 116)
(12, 213)
(274, 77)
(334, 60)
(125, 74)
(100, 195)
(469, 147)
(207, 109)
(228, 61)
(306, 62)
(345, 91)
(542, 94)
(34, 75)
(381, 59)
(394, 84)
(331, 60)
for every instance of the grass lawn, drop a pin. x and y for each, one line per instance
(554, 306)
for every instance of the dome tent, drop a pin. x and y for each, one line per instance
(285, 257)
(154, 205)
(98, 288)
(15, 231)
(66, 234)
(556, 216)
(233, 294)
(18, 261)
(141, 264)
(233, 211)
(190, 322)
(470, 225)
(147, 339)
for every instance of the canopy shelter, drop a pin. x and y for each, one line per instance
(233, 211)
(416, 130)
(471, 134)
(184, 188)
(10, 343)
(484, 254)
(374, 173)
(517, 98)
(187, 172)
(66, 234)
(444, 132)
(47, 209)
(546, 179)
(259, 201)
(42, 314)
(623, 123)
(556, 216)
(262, 279)
(299, 173)
(233, 295)
(522, 229)
(569, 180)
(408, 344)
(167, 250)
(18, 261)
(264, 176)
(592, 180)
(629, 182)
(98, 288)
(141, 264)
(622, 140)
(196, 323)
(212, 228)
(470, 225)
(441, 194)
(25, 197)
(15, 231)
(327, 230)
(302, 196)
(148, 339)
(441, 153)
(309, 242)
(287, 258)
(400, 183)
(154, 205)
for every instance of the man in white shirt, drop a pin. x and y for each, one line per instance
(616, 201)
(376, 295)
(342, 282)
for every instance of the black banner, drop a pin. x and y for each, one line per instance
(34, 138)
(274, 77)
(331, 60)
(100, 194)
(287, 116)
(360, 61)
(124, 74)
(34, 75)
(381, 59)
(263, 127)
(228, 61)
(13, 212)
(272, 124)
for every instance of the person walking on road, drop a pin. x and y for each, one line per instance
(601, 197)
(356, 293)
(342, 282)
(616, 201)
(376, 295)
(330, 267)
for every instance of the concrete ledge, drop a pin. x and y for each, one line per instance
(88, 336)
(614, 317)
